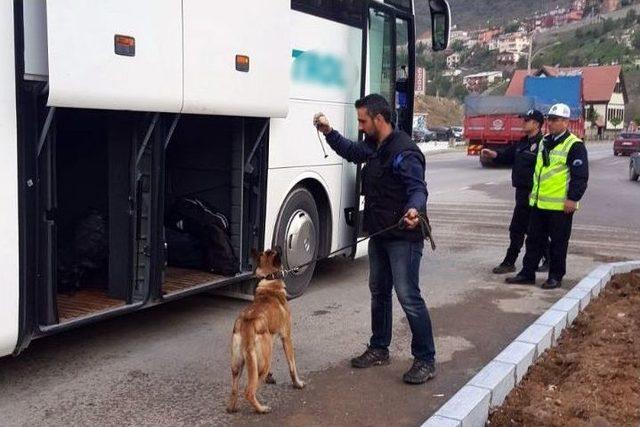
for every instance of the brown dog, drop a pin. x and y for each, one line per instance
(254, 330)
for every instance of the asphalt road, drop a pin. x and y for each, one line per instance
(169, 365)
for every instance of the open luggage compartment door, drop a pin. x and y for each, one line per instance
(115, 54)
(237, 57)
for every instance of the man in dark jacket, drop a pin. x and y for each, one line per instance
(522, 157)
(394, 189)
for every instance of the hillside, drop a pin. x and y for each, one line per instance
(476, 13)
(440, 111)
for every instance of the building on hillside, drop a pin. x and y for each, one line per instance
(480, 81)
(547, 22)
(578, 4)
(471, 43)
(420, 81)
(609, 6)
(603, 89)
(509, 58)
(574, 15)
(486, 35)
(451, 73)
(459, 35)
(515, 43)
(453, 60)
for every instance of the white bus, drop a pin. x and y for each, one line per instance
(112, 110)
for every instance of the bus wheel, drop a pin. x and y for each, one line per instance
(297, 234)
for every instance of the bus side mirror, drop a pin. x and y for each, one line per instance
(440, 24)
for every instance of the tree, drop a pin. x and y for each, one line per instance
(631, 18)
(460, 92)
(591, 115)
(608, 25)
(512, 27)
(636, 40)
(616, 121)
(457, 46)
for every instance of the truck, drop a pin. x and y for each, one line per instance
(494, 121)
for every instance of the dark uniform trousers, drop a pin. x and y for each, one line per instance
(519, 226)
(545, 225)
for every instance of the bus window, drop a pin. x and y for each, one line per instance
(381, 50)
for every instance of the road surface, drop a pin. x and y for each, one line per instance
(169, 365)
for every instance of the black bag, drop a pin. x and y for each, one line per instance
(184, 250)
(86, 254)
(211, 228)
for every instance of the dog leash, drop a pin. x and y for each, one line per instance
(425, 228)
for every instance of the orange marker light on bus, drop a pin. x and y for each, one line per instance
(124, 45)
(242, 63)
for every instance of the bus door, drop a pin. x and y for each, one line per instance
(388, 62)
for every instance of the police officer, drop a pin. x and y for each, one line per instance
(522, 157)
(394, 188)
(559, 182)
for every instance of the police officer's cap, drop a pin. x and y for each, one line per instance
(533, 115)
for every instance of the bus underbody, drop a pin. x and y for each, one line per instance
(102, 188)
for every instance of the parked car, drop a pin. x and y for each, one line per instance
(442, 133)
(423, 134)
(458, 132)
(626, 143)
(634, 167)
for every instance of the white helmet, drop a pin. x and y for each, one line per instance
(559, 110)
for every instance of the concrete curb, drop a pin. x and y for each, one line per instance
(470, 406)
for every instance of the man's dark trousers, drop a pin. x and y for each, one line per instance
(545, 225)
(395, 264)
(519, 226)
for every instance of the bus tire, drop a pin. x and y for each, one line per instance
(297, 233)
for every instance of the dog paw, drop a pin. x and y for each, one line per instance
(270, 379)
(232, 409)
(264, 410)
(298, 385)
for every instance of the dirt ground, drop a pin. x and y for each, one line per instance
(592, 377)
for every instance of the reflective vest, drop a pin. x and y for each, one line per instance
(551, 183)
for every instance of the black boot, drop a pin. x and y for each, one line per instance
(371, 357)
(520, 280)
(551, 283)
(504, 268)
(420, 372)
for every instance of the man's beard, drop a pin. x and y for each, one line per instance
(373, 135)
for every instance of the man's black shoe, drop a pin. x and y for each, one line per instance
(504, 268)
(520, 280)
(371, 357)
(544, 267)
(420, 372)
(551, 284)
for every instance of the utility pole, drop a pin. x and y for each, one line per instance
(533, 33)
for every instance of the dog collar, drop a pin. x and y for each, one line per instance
(279, 275)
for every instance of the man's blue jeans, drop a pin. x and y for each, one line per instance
(395, 264)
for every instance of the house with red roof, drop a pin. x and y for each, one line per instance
(603, 89)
